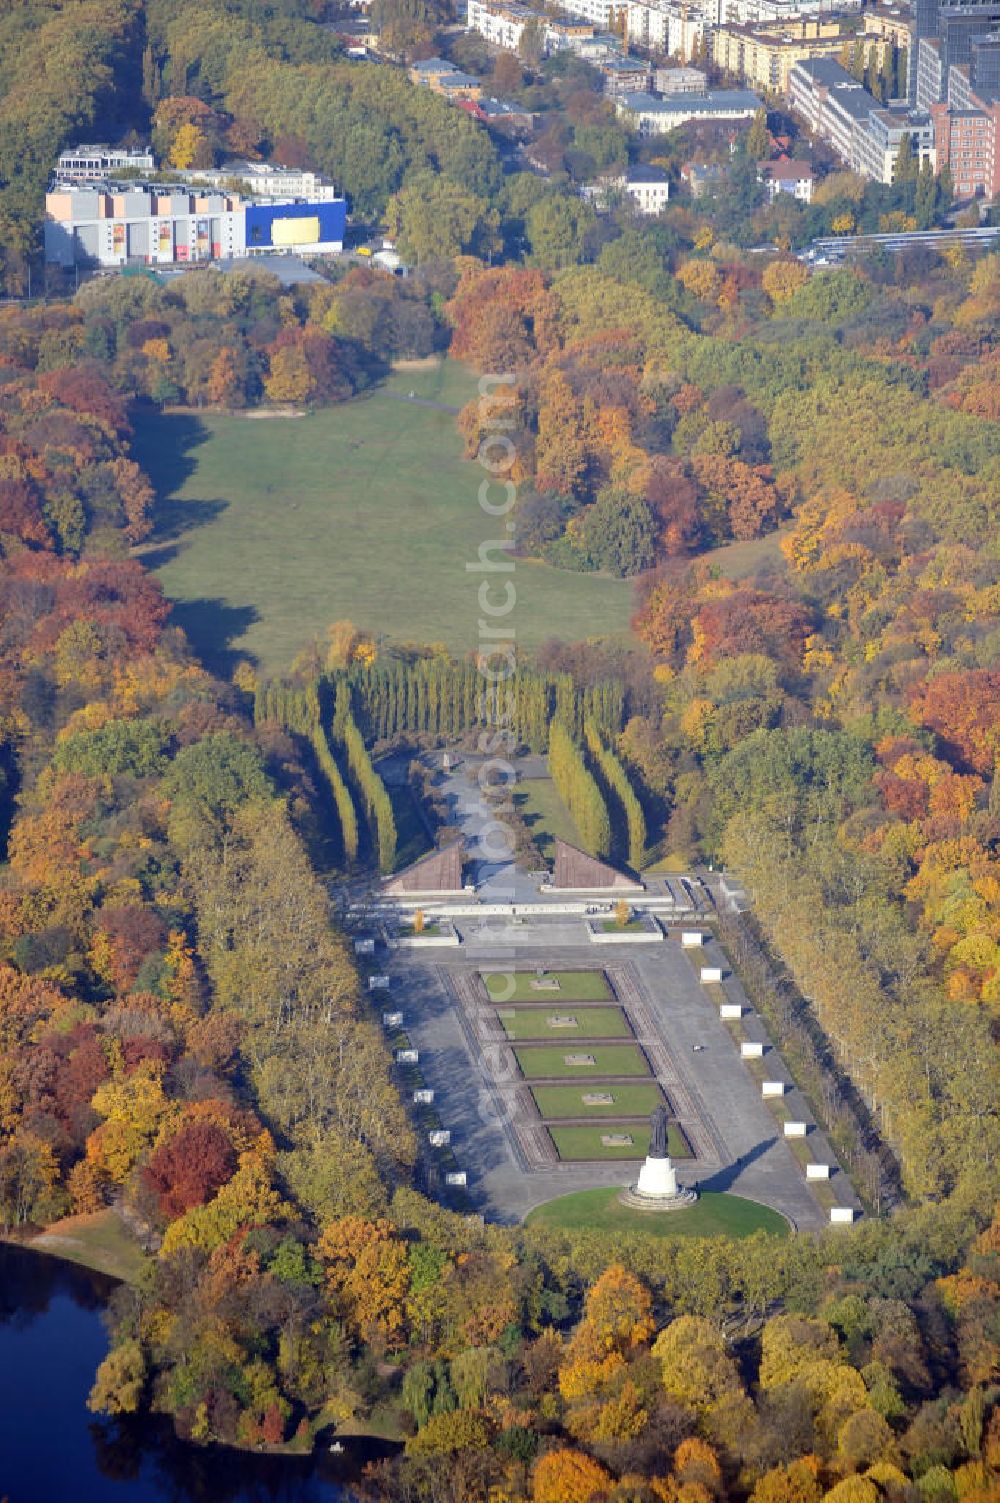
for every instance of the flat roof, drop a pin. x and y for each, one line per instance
(715, 102)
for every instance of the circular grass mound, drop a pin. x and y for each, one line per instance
(712, 1215)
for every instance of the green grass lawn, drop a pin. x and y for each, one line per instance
(99, 1240)
(545, 814)
(268, 530)
(547, 1062)
(591, 1023)
(585, 1142)
(711, 1216)
(574, 986)
(555, 1101)
(612, 926)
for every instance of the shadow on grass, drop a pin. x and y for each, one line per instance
(211, 626)
(164, 445)
(173, 517)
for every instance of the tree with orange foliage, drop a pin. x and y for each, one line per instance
(567, 1477)
(368, 1275)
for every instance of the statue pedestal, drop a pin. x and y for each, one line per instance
(657, 1177)
(657, 1189)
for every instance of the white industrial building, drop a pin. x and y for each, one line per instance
(116, 223)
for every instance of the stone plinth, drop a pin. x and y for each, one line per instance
(692, 939)
(796, 1129)
(817, 1171)
(751, 1050)
(711, 973)
(772, 1088)
(842, 1215)
(730, 1010)
(657, 1189)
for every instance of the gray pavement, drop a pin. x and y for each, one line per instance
(718, 1102)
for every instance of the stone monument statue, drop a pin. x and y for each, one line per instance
(657, 1188)
(658, 1133)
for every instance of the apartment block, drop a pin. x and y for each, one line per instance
(865, 136)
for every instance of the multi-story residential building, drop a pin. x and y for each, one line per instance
(503, 23)
(772, 12)
(429, 71)
(764, 55)
(94, 163)
(648, 188)
(673, 27)
(931, 85)
(702, 177)
(501, 114)
(653, 115)
(600, 13)
(968, 144)
(894, 22)
(865, 136)
(787, 176)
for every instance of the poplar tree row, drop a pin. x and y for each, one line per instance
(579, 791)
(441, 698)
(375, 796)
(298, 710)
(346, 814)
(616, 779)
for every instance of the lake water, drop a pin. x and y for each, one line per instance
(52, 1448)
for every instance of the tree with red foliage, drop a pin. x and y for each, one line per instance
(674, 499)
(133, 931)
(188, 1169)
(21, 512)
(963, 709)
(85, 389)
(748, 620)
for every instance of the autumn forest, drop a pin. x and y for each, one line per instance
(799, 470)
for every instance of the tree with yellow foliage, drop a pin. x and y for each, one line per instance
(782, 279)
(189, 147)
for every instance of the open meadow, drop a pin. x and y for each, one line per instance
(269, 529)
